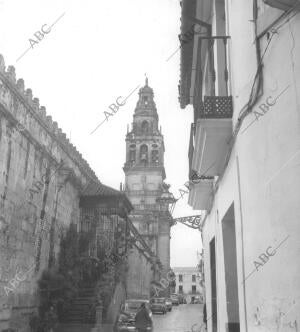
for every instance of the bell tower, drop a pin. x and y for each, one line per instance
(144, 186)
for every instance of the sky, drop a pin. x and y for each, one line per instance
(94, 52)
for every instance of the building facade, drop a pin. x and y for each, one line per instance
(144, 186)
(187, 282)
(240, 72)
(45, 186)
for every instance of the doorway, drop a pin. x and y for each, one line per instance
(230, 263)
(213, 274)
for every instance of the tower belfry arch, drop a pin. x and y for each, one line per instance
(144, 185)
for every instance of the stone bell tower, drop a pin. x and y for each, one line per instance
(144, 185)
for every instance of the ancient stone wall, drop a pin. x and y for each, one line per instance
(41, 176)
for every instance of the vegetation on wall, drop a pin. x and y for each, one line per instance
(59, 285)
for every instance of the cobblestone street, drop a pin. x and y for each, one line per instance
(181, 319)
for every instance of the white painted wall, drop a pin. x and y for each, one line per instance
(267, 157)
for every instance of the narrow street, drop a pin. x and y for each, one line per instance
(180, 319)
(149, 161)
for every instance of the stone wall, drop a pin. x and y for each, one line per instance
(41, 177)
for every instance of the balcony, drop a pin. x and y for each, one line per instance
(211, 146)
(212, 113)
(201, 195)
(216, 107)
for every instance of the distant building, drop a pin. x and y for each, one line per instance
(187, 281)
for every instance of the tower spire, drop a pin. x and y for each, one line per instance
(144, 184)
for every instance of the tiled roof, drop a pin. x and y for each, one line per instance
(96, 189)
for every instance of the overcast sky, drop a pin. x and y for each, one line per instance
(96, 51)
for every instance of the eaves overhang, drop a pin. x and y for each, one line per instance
(283, 4)
(98, 193)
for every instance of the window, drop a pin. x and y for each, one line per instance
(144, 153)
(160, 300)
(180, 278)
(180, 289)
(145, 100)
(134, 305)
(154, 157)
(132, 153)
(193, 278)
(193, 289)
(145, 127)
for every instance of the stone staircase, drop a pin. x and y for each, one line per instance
(74, 328)
(81, 315)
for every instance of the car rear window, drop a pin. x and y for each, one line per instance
(134, 305)
(158, 301)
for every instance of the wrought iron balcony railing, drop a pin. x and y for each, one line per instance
(216, 107)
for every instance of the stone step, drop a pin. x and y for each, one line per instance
(82, 318)
(80, 311)
(83, 300)
(86, 291)
(77, 312)
(78, 321)
(80, 306)
(74, 327)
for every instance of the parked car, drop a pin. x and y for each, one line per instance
(169, 304)
(126, 319)
(158, 305)
(197, 299)
(175, 299)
